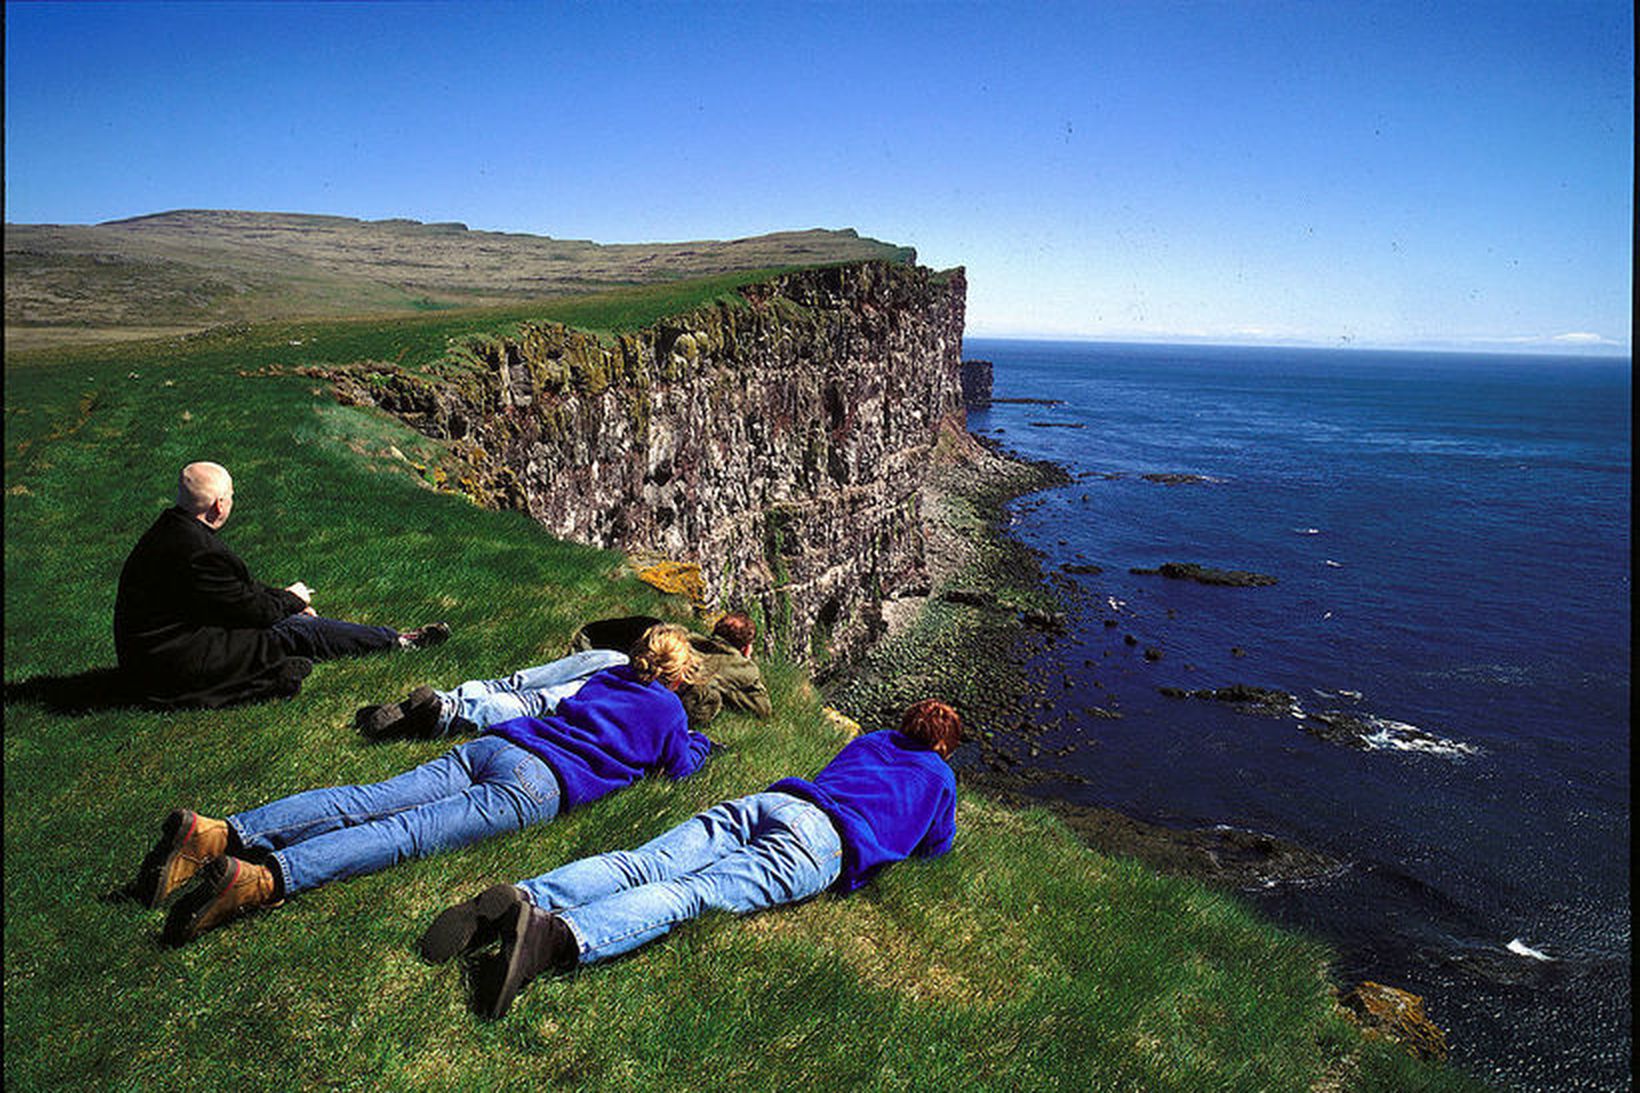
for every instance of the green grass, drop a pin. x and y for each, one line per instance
(1019, 961)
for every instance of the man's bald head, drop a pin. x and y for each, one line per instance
(205, 491)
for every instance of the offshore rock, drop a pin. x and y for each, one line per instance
(1337, 727)
(780, 443)
(1244, 697)
(1190, 571)
(1175, 479)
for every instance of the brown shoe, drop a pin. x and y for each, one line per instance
(532, 942)
(228, 887)
(187, 842)
(471, 925)
(425, 637)
(417, 717)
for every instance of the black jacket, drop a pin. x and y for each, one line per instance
(191, 626)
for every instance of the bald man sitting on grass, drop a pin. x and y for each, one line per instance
(193, 628)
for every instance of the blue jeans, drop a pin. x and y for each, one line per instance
(529, 692)
(484, 787)
(741, 856)
(319, 638)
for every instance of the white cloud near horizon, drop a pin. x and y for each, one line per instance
(1570, 339)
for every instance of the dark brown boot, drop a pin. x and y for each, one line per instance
(532, 942)
(187, 841)
(228, 887)
(417, 716)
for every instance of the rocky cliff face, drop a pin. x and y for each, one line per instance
(780, 444)
(976, 384)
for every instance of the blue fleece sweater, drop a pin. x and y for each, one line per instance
(610, 733)
(889, 797)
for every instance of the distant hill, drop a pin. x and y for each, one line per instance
(189, 269)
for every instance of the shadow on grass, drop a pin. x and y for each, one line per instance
(99, 689)
(126, 895)
(80, 693)
(483, 974)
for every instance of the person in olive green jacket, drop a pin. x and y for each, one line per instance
(728, 674)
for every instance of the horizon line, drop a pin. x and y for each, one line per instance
(1542, 347)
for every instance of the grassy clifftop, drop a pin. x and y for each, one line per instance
(1019, 961)
(182, 271)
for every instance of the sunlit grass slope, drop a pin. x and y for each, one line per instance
(1019, 961)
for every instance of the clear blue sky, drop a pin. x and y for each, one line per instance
(1376, 173)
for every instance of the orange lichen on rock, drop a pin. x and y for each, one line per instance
(678, 578)
(1394, 1015)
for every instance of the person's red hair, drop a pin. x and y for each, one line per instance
(934, 723)
(736, 628)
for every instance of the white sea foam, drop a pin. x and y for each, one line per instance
(1399, 736)
(1520, 948)
(1313, 880)
(1308, 531)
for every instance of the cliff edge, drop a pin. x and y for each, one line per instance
(780, 442)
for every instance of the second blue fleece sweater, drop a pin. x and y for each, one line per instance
(610, 733)
(889, 797)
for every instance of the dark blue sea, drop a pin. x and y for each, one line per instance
(1450, 536)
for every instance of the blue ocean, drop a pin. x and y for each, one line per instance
(1450, 539)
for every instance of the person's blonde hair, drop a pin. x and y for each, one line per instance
(664, 653)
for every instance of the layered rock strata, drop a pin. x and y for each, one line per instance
(781, 442)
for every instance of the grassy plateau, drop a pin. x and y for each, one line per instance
(1020, 961)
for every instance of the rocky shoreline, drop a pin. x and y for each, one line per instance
(968, 636)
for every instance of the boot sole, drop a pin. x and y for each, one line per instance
(433, 634)
(184, 923)
(470, 925)
(151, 880)
(415, 716)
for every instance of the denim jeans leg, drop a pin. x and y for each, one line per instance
(690, 846)
(529, 692)
(319, 638)
(791, 853)
(484, 787)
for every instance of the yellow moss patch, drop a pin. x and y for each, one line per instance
(844, 724)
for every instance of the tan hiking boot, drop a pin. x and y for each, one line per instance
(228, 887)
(187, 842)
